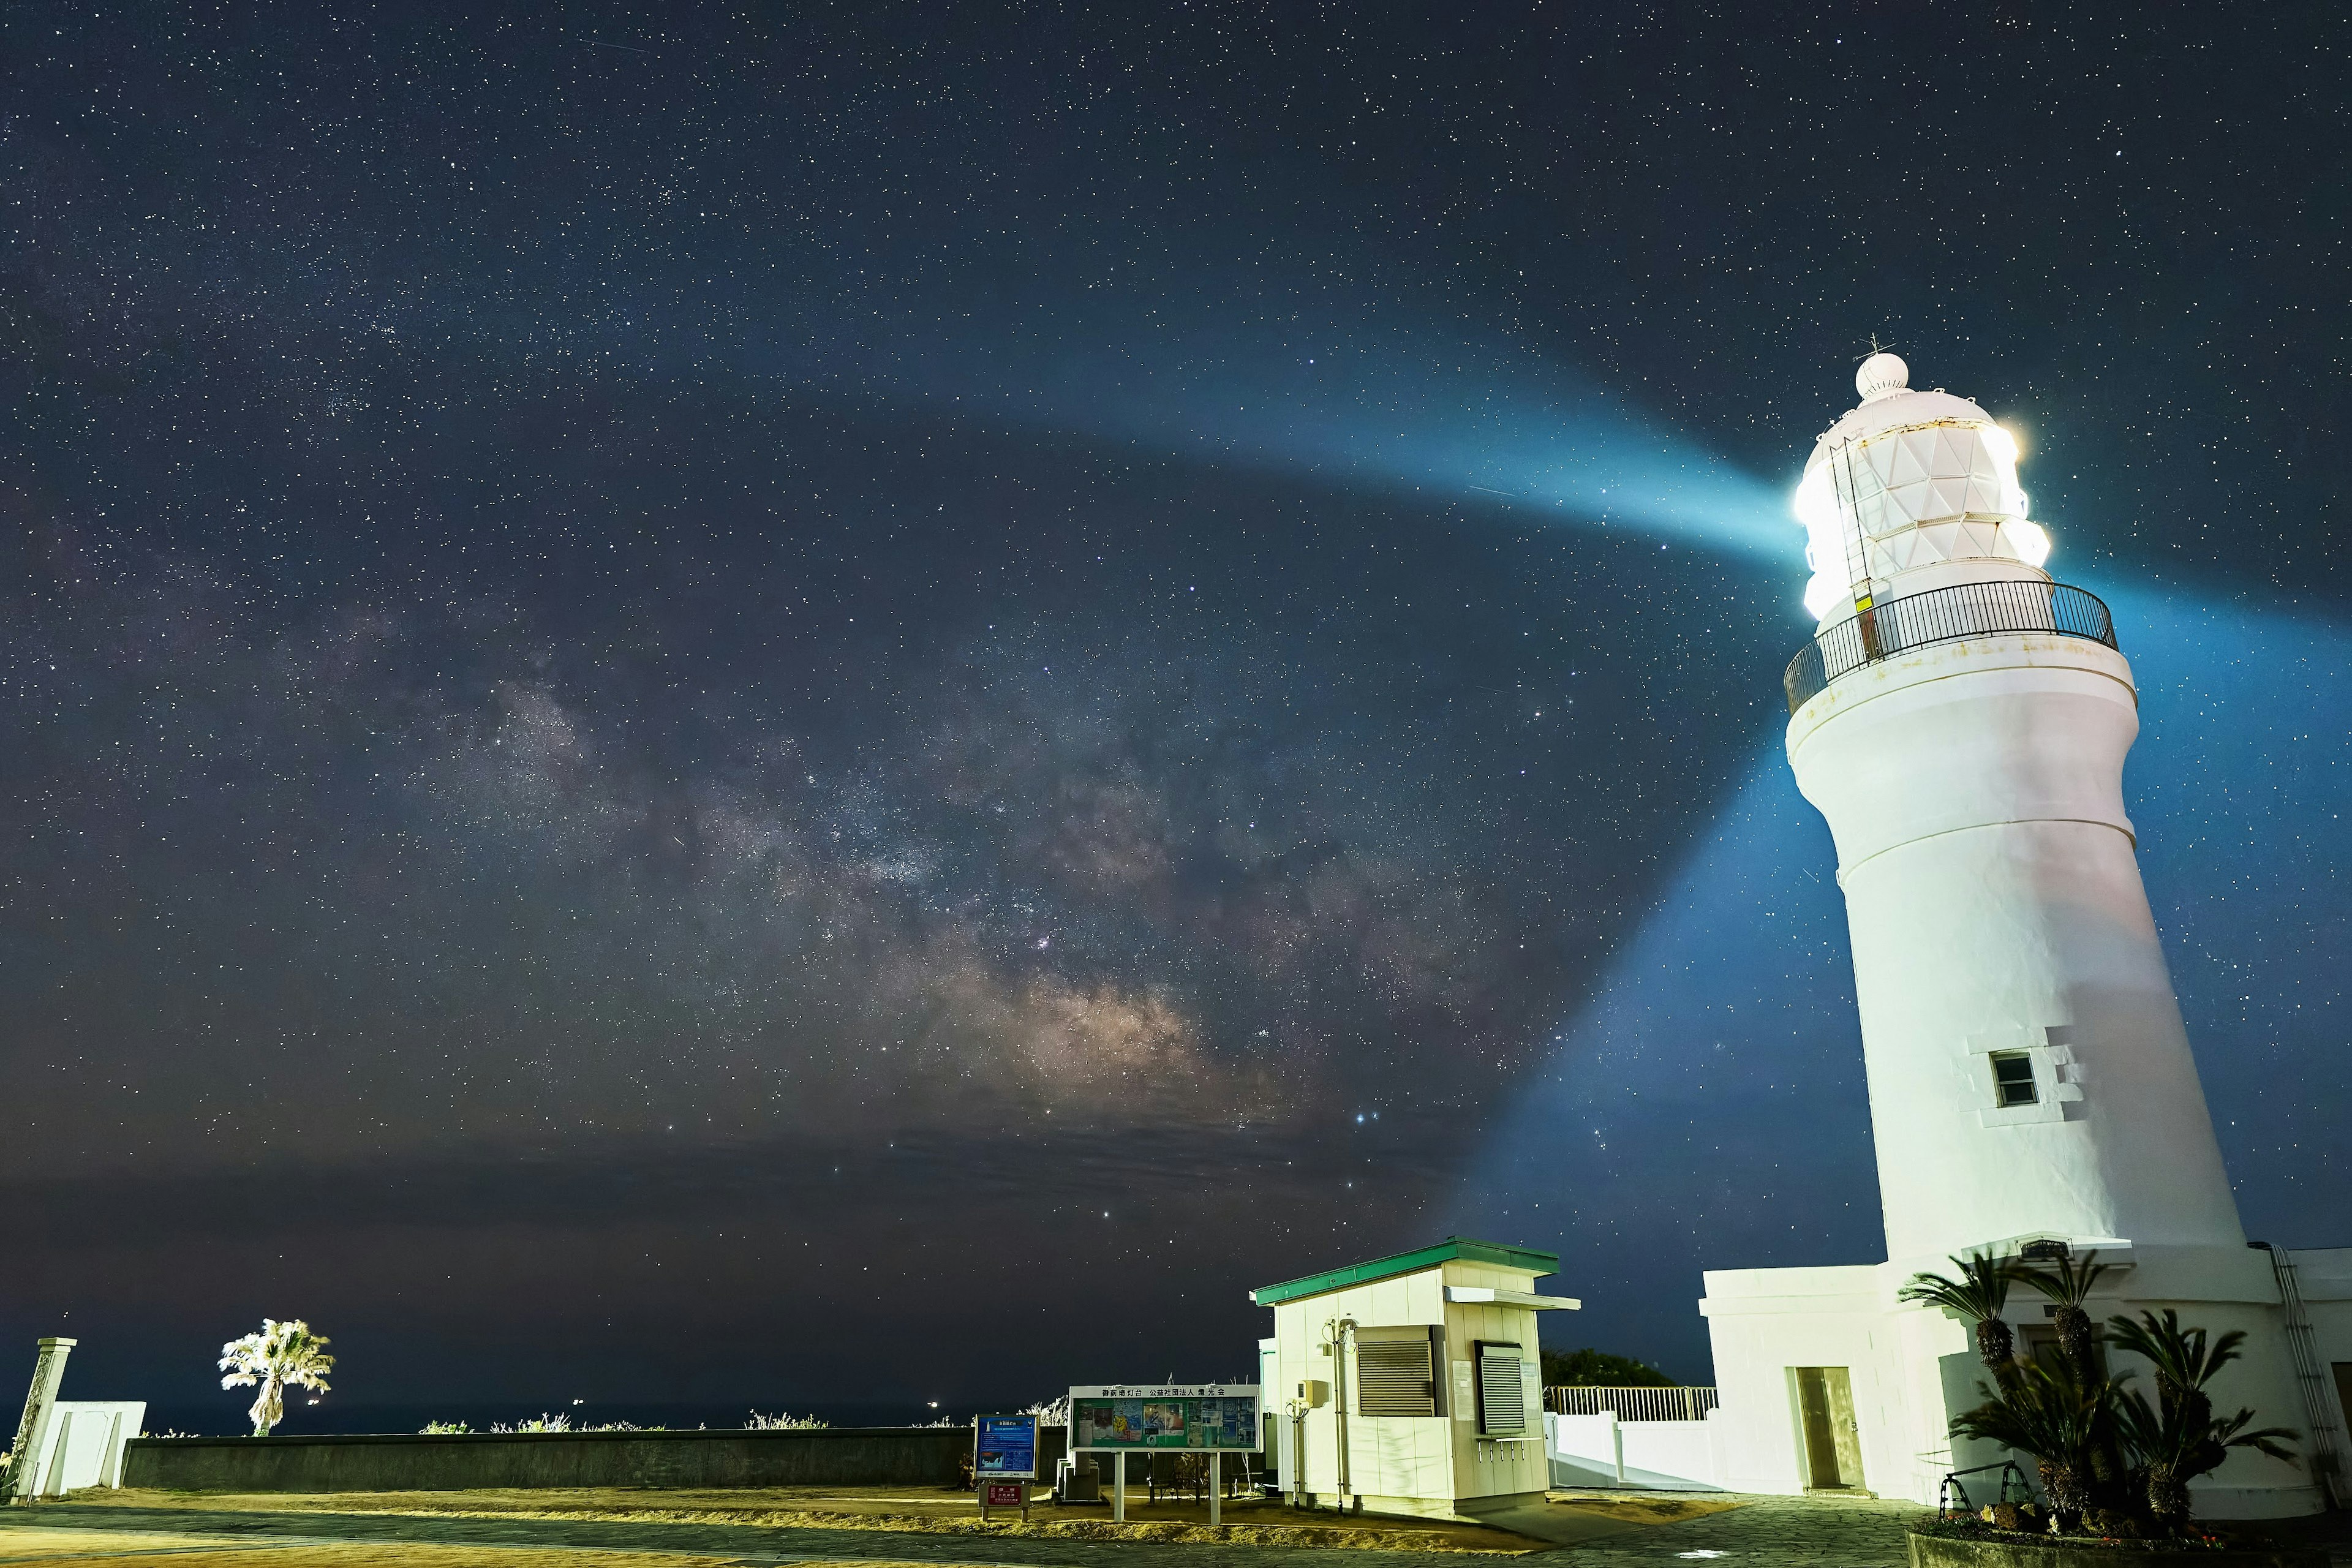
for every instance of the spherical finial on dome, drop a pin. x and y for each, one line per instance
(1881, 374)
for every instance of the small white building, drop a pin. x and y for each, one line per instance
(1412, 1384)
(1961, 721)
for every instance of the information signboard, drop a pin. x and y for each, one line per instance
(1005, 1447)
(1205, 1417)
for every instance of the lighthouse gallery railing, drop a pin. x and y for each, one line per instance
(1944, 614)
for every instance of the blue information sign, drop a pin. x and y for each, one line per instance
(1005, 1447)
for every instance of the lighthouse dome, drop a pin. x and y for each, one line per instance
(1910, 491)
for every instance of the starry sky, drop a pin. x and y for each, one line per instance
(826, 708)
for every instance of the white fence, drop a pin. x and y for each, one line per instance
(1633, 1404)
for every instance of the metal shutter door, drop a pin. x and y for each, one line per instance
(1502, 1400)
(1392, 1378)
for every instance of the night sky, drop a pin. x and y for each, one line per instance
(824, 708)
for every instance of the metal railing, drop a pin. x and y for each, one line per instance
(1632, 1403)
(1944, 614)
(1952, 1499)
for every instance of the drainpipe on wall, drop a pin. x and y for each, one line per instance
(2310, 1381)
(1340, 1330)
(1299, 1493)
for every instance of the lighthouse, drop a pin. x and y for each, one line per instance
(1961, 718)
(1961, 721)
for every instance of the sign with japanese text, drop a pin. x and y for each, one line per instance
(1004, 1445)
(1205, 1417)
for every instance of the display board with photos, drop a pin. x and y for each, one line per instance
(1205, 1417)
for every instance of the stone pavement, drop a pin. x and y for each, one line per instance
(1797, 1531)
(1801, 1533)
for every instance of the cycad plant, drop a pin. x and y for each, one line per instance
(2069, 1282)
(1980, 1293)
(280, 1354)
(2184, 1360)
(2061, 1420)
(2179, 1439)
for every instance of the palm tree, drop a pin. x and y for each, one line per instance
(281, 1355)
(1980, 1293)
(2180, 1438)
(2069, 1283)
(2060, 1419)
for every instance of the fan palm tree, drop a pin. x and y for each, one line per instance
(2061, 1420)
(2069, 1282)
(1980, 1293)
(280, 1355)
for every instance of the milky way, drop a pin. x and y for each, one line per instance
(686, 702)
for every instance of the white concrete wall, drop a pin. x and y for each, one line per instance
(1764, 1324)
(1655, 1455)
(83, 1446)
(2325, 1274)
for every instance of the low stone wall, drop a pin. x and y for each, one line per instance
(848, 1456)
(1952, 1552)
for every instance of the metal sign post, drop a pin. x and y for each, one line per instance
(1211, 1419)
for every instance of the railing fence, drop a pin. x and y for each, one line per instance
(1944, 614)
(1686, 1404)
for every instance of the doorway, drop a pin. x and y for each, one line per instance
(1825, 1415)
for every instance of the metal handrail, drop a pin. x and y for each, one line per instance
(1951, 1489)
(1944, 614)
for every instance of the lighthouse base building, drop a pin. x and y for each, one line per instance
(1828, 1383)
(1961, 720)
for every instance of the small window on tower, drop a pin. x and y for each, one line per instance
(2013, 1079)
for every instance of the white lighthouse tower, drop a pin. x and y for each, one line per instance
(1961, 721)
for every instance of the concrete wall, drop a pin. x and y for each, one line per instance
(869, 1456)
(1659, 1456)
(83, 1444)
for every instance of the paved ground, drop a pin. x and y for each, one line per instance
(1799, 1532)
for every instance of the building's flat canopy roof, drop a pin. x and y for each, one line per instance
(1452, 1246)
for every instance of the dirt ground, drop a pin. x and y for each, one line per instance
(157, 1551)
(1654, 1508)
(1248, 1522)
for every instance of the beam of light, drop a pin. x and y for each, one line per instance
(1661, 1135)
(1379, 397)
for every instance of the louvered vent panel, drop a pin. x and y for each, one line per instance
(1392, 1378)
(1502, 1404)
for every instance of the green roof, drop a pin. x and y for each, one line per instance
(1452, 1246)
